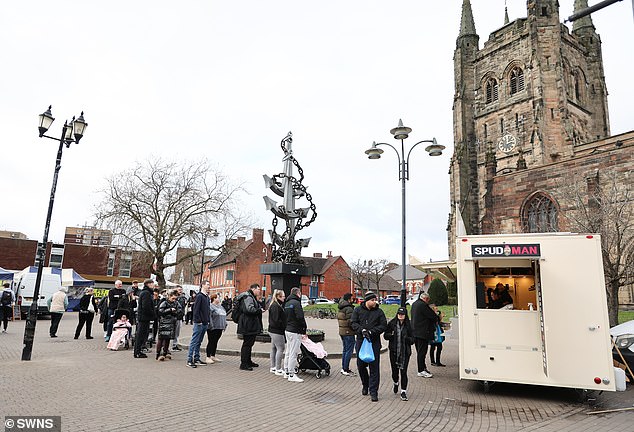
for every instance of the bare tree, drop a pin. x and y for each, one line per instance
(158, 205)
(604, 204)
(366, 275)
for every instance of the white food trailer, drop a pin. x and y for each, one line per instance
(557, 333)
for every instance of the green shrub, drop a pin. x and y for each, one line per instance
(438, 292)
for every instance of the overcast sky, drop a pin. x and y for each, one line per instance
(226, 80)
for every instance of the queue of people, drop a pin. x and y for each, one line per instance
(165, 311)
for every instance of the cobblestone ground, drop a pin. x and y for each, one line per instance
(93, 389)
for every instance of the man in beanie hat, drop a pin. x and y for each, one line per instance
(368, 321)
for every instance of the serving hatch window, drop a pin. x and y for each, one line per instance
(507, 283)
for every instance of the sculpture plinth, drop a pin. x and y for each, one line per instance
(285, 276)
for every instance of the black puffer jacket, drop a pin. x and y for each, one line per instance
(277, 318)
(372, 320)
(168, 312)
(250, 322)
(295, 321)
(407, 338)
(424, 320)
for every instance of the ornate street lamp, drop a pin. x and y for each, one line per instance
(401, 133)
(72, 132)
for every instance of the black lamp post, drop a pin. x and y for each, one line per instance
(214, 233)
(401, 133)
(72, 132)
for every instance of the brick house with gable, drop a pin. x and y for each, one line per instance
(238, 265)
(330, 276)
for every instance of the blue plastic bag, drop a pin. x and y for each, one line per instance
(366, 353)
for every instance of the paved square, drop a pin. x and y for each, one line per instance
(94, 389)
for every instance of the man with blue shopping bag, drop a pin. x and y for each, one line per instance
(368, 322)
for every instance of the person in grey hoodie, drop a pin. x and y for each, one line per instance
(217, 324)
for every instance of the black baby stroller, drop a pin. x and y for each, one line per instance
(308, 361)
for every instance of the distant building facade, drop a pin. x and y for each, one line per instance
(88, 236)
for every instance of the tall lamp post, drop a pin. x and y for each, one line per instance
(72, 132)
(207, 231)
(401, 133)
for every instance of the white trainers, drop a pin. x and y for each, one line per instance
(295, 378)
(209, 360)
(272, 370)
(285, 375)
(347, 373)
(279, 372)
(216, 360)
(424, 374)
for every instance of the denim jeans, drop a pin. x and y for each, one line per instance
(197, 337)
(348, 349)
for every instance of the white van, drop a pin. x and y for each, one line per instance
(25, 286)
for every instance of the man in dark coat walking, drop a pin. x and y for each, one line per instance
(424, 321)
(249, 324)
(146, 313)
(368, 322)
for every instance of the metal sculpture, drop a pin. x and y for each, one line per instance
(285, 249)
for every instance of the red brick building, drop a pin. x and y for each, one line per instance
(238, 265)
(330, 278)
(104, 265)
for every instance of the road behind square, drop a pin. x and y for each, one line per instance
(94, 389)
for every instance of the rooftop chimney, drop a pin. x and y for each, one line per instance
(329, 254)
(317, 255)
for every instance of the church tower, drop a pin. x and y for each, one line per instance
(533, 95)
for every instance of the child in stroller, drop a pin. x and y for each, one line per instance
(120, 331)
(312, 356)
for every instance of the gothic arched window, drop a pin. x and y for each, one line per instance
(491, 90)
(540, 215)
(517, 80)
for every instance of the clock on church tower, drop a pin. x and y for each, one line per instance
(507, 143)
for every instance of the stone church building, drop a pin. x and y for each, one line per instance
(530, 115)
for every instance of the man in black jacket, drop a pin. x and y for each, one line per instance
(146, 313)
(295, 328)
(368, 322)
(249, 324)
(200, 317)
(424, 321)
(87, 308)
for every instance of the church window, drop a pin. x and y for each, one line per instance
(540, 215)
(517, 80)
(491, 90)
(501, 126)
(485, 130)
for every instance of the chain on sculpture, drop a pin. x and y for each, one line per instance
(285, 248)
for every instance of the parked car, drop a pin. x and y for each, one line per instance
(322, 300)
(623, 335)
(392, 299)
(305, 301)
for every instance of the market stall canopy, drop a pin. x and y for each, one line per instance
(69, 277)
(5, 275)
(445, 270)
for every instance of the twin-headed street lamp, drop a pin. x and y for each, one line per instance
(401, 133)
(72, 132)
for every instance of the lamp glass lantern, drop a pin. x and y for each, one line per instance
(79, 126)
(46, 120)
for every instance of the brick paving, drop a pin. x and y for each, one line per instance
(94, 389)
